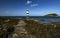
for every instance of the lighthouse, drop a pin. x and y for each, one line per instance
(27, 14)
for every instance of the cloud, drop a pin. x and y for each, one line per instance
(29, 2)
(33, 5)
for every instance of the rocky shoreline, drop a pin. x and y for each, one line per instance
(28, 29)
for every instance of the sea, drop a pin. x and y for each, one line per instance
(42, 19)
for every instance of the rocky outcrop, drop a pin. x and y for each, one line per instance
(20, 31)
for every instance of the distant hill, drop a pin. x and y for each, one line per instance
(52, 15)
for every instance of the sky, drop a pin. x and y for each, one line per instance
(35, 7)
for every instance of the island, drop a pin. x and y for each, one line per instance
(52, 15)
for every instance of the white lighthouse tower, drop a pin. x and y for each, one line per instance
(27, 14)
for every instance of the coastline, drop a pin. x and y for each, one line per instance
(34, 28)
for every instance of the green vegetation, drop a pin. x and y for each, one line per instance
(52, 15)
